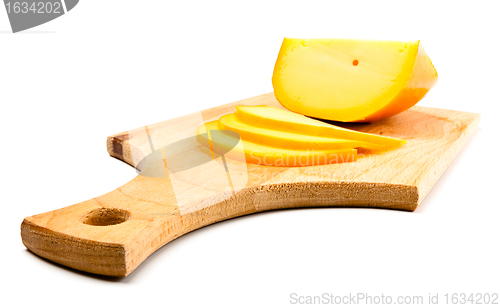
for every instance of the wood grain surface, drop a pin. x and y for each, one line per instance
(180, 190)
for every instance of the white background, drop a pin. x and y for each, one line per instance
(109, 66)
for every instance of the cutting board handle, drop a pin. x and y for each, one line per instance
(109, 235)
(112, 234)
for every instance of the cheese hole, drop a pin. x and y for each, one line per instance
(355, 62)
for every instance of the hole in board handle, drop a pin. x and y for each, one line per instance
(105, 217)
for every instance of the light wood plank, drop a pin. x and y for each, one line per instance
(155, 210)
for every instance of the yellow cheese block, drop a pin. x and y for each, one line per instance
(351, 80)
(253, 153)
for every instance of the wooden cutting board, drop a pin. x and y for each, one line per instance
(180, 190)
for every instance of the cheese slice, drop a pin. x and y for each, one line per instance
(259, 154)
(286, 121)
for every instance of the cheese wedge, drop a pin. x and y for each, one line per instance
(351, 80)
